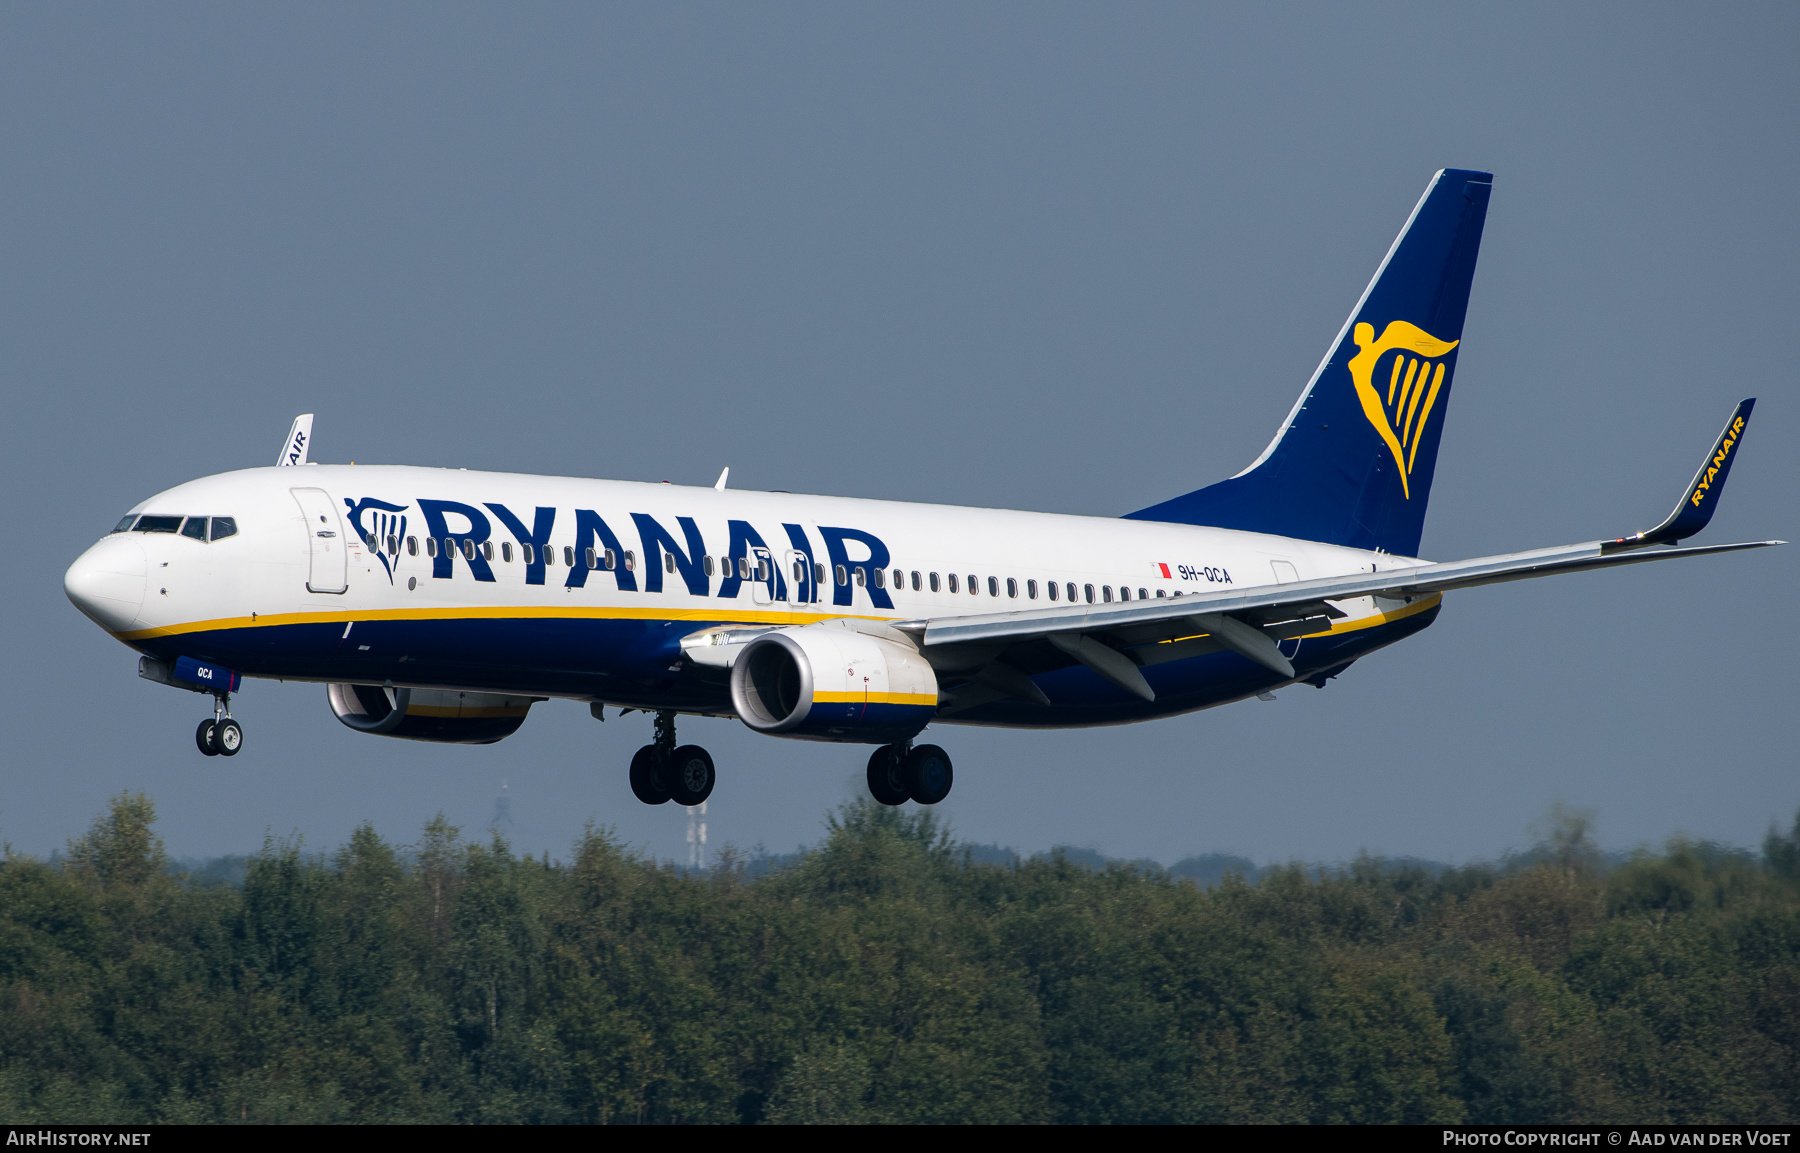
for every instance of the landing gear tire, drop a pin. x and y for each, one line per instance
(928, 774)
(649, 778)
(887, 782)
(203, 736)
(690, 775)
(227, 737)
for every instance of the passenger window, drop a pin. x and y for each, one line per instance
(449, 546)
(1050, 587)
(952, 582)
(468, 549)
(431, 546)
(1142, 595)
(993, 586)
(843, 577)
(412, 546)
(934, 582)
(393, 543)
(568, 556)
(668, 562)
(860, 576)
(743, 568)
(223, 526)
(612, 560)
(159, 524)
(915, 581)
(505, 551)
(1031, 589)
(528, 554)
(819, 572)
(974, 585)
(588, 556)
(880, 578)
(799, 572)
(549, 555)
(195, 528)
(1160, 594)
(707, 565)
(487, 550)
(899, 579)
(126, 523)
(1106, 593)
(630, 560)
(1012, 588)
(1090, 593)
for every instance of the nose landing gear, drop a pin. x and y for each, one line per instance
(907, 772)
(221, 736)
(662, 772)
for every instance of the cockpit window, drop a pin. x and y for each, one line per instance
(223, 526)
(125, 524)
(195, 528)
(159, 524)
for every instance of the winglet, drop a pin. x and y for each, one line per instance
(1702, 496)
(299, 440)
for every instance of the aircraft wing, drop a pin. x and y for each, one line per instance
(1111, 638)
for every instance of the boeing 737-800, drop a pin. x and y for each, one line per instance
(441, 604)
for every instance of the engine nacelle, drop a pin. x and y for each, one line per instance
(827, 682)
(442, 715)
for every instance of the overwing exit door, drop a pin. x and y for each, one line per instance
(330, 557)
(799, 574)
(762, 576)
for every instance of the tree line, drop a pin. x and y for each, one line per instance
(886, 975)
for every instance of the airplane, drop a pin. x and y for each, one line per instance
(440, 604)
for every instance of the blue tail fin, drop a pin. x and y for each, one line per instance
(1353, 462)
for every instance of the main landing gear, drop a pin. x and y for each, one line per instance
(220, 736)
(662, 771)
(908, 772)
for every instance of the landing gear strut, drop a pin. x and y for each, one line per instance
(662, 771)
(907, 772)
(221, 736)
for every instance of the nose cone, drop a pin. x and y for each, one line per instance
(107, 582)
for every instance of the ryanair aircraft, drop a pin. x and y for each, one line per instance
(441, 604)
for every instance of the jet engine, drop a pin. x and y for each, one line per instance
(828, 682)
(442, 715)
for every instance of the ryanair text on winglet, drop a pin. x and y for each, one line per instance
(1726, 444)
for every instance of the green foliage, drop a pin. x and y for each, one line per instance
(890, 976)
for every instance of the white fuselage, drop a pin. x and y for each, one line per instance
(287, 597)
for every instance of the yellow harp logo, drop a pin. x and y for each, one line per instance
(1413, 381)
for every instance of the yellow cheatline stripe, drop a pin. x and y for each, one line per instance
(927, 699)
(518, 612)
(1357, 625)
(511, 612)
(1369, 622)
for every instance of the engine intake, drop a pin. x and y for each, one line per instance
(442, 715)
(826, 682)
